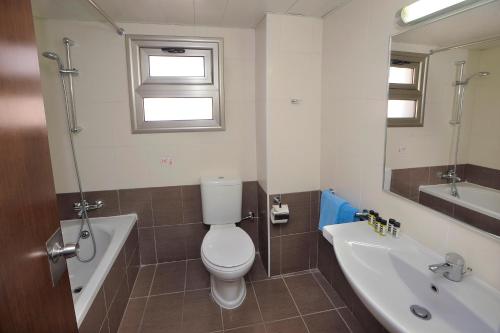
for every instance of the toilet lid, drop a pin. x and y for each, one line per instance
(227, 247)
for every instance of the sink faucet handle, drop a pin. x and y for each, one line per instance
(455, 259)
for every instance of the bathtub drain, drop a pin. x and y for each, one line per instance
(77, 290)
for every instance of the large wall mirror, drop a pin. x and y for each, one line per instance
(443, 127)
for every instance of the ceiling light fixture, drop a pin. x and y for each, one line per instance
(423, 10)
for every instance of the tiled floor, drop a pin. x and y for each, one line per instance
(175, 297)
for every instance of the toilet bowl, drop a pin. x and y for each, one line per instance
(228, 254)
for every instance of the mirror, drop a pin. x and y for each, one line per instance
(443, 126)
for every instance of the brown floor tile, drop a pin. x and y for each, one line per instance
(274, 300)
(351, 321)
(163, 314)
(331, 293)
(200, 313)
(133, 315)
(292, 325)
(197, 276)
(326, 322)
(307, 294)
(258, 272)
(143, 281)
(250, 329)
(105, 326)
(247, 314)
(169, 278)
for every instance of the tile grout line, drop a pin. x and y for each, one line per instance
(345, 321)
(153, 226)
(185, 276)
(257, 301)
(141, 322)
(152, 281)
(324, 291)
(296, 306)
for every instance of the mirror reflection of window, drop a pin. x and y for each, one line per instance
(406, 89)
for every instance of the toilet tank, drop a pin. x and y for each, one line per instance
(221, 200)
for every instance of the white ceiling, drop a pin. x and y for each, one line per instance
(226, 13)
(472, 25)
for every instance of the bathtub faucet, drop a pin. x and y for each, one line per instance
(451, 176)
(80, 207)
(453, 269)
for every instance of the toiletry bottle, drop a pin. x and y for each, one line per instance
(396, 229)
(390, 226)
(383, 227)
(375, 217)
(371, 217)
(376, 225)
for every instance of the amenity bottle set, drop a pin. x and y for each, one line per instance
(382, 226)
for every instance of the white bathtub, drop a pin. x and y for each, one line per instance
(481, 199)
(110, 235)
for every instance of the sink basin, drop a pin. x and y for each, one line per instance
(390, 275)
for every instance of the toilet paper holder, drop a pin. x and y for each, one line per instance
(279, 211)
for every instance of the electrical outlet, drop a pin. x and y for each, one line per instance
(167, 161)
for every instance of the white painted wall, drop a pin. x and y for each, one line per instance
(294, 56)
(110, 157)
(484, 107)
(356, 54)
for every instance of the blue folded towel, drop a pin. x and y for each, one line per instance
(335, 210)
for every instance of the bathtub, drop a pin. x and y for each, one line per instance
(110, 235)
(478, 198)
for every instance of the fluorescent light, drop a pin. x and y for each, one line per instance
(422, 9)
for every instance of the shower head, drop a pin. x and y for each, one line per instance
(480, 74)
(53, 56)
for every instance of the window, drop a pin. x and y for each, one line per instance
(175, 83)
(407, 75)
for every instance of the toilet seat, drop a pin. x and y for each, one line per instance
(227, 248)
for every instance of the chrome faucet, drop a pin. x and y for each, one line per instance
(451, 176)
(80, 207)
(453, 269)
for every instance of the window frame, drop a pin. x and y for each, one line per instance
(411, 92)
(142, 85)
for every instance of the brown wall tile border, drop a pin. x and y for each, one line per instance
(406, 182)
(471, 217)
(164, 212)
(294, 245)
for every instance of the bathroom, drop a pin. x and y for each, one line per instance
(218, 217)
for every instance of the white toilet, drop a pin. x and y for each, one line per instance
(226, 251)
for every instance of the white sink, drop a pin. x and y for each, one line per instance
(390, 274)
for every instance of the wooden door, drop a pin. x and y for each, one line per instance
(28, 211)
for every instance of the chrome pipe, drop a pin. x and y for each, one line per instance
(458, 46)
(120, 31)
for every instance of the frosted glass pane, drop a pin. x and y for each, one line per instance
(176, 66)
(401, 75)
(160, 109)
(401, 109)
